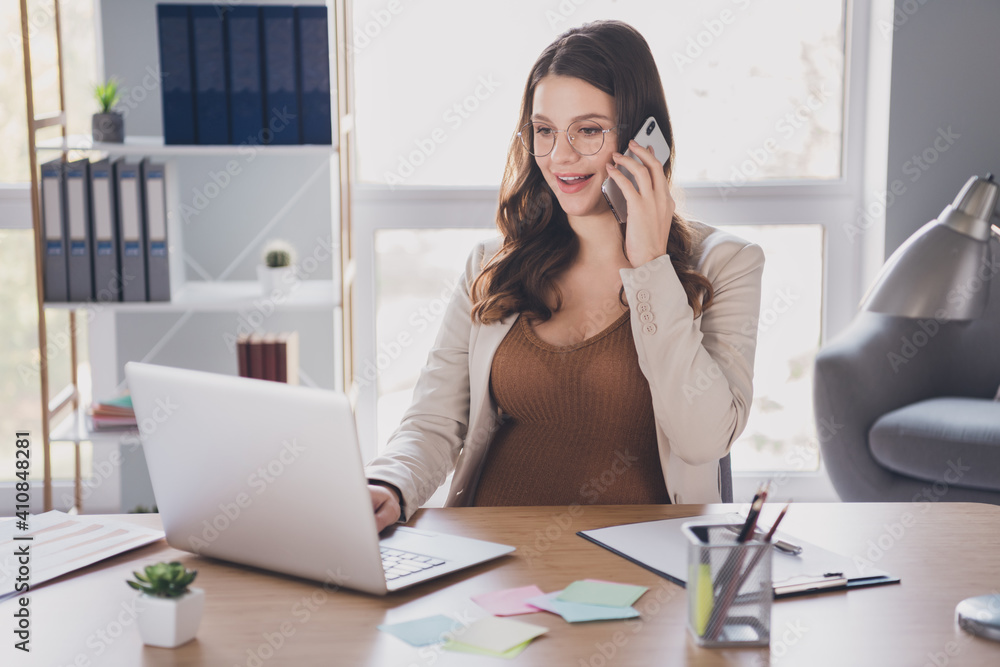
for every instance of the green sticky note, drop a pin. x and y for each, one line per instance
(605, 593)
(466, 648)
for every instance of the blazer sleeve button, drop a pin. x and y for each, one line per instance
(642, 295)
(646, 317)
(649, 329)
(643, 307)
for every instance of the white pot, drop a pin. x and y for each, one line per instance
(170, 622)
(276, 280)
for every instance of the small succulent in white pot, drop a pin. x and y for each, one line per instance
(276, 272)
(170, 611)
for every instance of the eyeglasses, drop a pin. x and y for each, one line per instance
(585, 136)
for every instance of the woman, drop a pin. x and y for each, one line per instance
(583, 361)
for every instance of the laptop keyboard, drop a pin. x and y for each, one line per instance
(400, 563)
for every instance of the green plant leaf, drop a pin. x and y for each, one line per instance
(107, 94)
(165, 580)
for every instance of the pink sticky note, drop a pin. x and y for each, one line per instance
(509, 602)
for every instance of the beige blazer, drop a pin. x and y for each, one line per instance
(700, 374)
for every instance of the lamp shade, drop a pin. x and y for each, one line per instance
(942, 271)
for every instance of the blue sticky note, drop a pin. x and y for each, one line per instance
(423, 631)
(577, 612)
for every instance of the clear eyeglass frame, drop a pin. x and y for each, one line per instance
(526, 132)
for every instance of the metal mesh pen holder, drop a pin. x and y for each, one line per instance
(729, 587)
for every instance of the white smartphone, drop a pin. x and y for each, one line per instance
(649, 136)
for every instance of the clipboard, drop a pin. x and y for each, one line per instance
(661, 547)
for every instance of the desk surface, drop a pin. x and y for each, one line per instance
(943, 552)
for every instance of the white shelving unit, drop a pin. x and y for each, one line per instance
(214, 299)
(229, 295)
(148, 145)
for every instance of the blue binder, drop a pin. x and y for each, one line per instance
(80, 267)
(154, 195)
(130, 231)
(281, 99)
(246, 92)
(314, 74)
(104, 203)
(56, 268)
(211, 106)
(177, 86)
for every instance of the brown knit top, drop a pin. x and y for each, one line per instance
(578, 423)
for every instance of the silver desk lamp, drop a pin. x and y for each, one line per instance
(943, 271)
(939, 271)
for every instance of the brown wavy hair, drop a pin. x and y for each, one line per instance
(538, 242)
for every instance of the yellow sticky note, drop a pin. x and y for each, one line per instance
(498, 634)
(465, 648)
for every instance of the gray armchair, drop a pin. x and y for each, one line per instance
(905, 408)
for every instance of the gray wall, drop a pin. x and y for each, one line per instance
(945, 74)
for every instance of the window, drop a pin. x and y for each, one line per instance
(755, 89)
(767, 103)
(757, 96)
(19, 380)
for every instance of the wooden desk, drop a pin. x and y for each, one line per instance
(943, 552)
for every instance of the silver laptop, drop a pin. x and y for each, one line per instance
(270, 475)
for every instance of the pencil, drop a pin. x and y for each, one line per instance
(742, 578)
(729, 575)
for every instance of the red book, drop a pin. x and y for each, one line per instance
(270, 345)
(256, 368)
(243, 355)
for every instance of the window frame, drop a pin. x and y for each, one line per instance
(15, 206)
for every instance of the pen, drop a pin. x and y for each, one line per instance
(767, 538)
(752, 515)
(755, 560)
(746, 530)
(774, 526)
(728, 576)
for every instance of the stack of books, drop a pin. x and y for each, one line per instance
(113, 414)
(269, 356)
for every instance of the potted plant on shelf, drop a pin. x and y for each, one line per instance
(108, 125)
(170, 612)
(276, 273)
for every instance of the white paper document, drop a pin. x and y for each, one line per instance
(62, 543)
